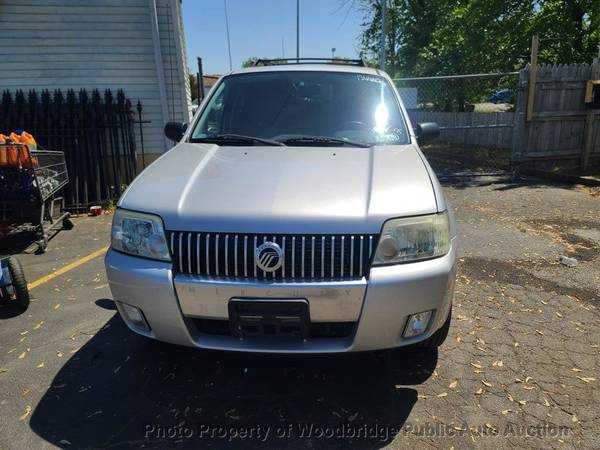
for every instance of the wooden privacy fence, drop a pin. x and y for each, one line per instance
(560, 127)
(492, 130)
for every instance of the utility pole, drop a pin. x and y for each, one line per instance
(200, 82)
(382, 42)
(298, 30)
(228, 41)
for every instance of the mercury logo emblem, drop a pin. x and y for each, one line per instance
(268, 256)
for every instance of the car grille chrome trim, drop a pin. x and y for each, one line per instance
(306, 257)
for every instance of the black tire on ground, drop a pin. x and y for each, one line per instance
(19, 283)
(438, 338)
(67, 224)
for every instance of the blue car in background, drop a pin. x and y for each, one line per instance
(503, 96)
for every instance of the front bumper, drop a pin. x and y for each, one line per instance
(379, 306)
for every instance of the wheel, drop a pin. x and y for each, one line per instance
(42, 244)
(67, 224)
(438, 338)
(19, 283)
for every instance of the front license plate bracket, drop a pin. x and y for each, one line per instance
(269, 318)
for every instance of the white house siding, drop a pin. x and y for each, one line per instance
(174, 60)
(94, 44)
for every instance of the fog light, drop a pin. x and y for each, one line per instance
(417, 324)
(135, 317)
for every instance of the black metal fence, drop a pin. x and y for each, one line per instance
(96, 131)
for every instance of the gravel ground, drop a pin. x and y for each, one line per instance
(520, 367)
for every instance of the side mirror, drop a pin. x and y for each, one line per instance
(175, 130)
(427, 131)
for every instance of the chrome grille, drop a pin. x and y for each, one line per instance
(306, 257)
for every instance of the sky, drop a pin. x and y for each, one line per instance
(257, 27)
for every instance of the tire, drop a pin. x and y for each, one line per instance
(19, 283)
(42, 244)
(439, 337)
(67, 224)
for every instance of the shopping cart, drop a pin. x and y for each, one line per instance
(30, 204)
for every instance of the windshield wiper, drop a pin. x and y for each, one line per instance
(225, 138)
(323, 140)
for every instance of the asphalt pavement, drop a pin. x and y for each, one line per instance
(520, 367)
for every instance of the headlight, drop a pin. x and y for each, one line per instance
(139, 234)
(413, 239)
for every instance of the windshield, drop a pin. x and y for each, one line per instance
(291, 106)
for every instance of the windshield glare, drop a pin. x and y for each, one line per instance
(292, 104)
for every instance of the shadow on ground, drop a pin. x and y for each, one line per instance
(122, 390)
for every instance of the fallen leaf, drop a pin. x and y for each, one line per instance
(443, 394)
(422, 396)
(559, 314)
(477, 366)
(479, 391)
(539, 332)
(528, 388)
(59, 354)
(486, 383)
(40, 365)
(574, 418)
(57, 306)
(575, 369)
(546, 402)
(22, 355)
(510, 397)
(498, 363)
(23, 333)
(490, 427)
(522, 402)
(453, 384)
(38, 325)
(505, 411)
(27, 412)
(587, 379)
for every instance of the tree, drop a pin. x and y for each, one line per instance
(569, 30)
(440, 37)
(193, 84)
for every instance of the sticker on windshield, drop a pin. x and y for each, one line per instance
(370, 78)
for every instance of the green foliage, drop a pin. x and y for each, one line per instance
(569, 30)
(435, 37)
(193, 84)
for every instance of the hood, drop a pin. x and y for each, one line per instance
(204, 187)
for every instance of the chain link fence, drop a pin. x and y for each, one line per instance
(471, 110)
(483, 93)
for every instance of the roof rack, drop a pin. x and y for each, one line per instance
(340, 61)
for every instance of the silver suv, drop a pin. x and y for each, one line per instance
(296, 214)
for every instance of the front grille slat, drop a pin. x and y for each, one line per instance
(306, 257)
